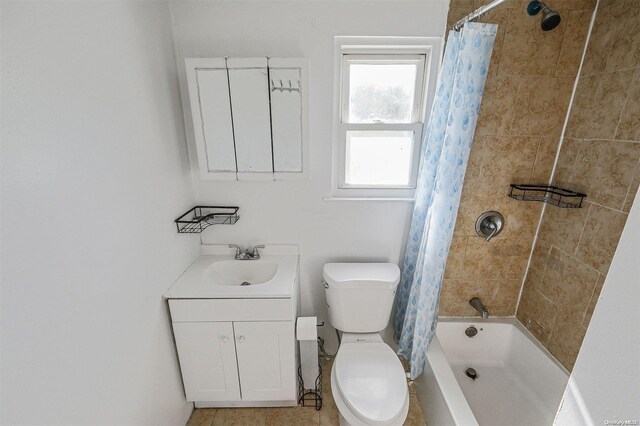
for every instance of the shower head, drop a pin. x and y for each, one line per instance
(550, 18)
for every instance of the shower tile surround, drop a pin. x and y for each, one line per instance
(518, 133)
(526, 98)
(600, 156)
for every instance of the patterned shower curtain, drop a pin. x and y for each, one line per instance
(444, 157)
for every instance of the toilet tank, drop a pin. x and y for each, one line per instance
(360, 295)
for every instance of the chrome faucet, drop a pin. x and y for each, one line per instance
(250, 253)
(479, 306)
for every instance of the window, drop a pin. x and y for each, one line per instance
(382, 89)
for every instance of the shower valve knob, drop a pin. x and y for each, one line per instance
(489, 224)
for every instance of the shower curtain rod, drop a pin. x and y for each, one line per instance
(476, 14)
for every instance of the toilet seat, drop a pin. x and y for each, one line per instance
(370, 381)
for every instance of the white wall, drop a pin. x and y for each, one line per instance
(294, 212)
(94, 170)
(605, 382)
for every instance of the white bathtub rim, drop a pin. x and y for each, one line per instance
(512, 321)
(456, 402)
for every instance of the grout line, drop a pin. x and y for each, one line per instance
(602, 140)
(546, 297)
(533, 246)
(482, 154)
(513, 116)
(624, 106)
(564, 32)
(535, 160)
(573, 257)
(633, 178)
(546, 264)
(551, 330)
(504, 38)
(570, 106)
(562, 134)
(603, 73)
(593, 292)
(584, 226)
(607, 207)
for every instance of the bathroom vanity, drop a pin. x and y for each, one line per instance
(234, 327)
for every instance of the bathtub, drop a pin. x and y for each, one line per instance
(518, 382)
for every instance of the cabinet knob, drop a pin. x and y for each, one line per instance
(224, 339)
(241, 339)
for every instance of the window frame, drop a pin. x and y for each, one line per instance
(356, 50)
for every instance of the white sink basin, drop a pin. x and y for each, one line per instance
(215, 274)
(241, 273)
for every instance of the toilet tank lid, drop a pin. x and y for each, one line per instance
(361, 274)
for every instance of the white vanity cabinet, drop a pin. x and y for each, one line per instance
(266, 360)
(207, 360)
(236, 343)
(236, 352)
(237, 361)
(250, 117)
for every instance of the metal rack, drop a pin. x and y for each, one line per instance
(283, 87)
(553, 195)
(310, 397)
(199, 218)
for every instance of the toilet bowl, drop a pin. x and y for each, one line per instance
(368, 381)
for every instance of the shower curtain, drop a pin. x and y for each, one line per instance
(444, 156)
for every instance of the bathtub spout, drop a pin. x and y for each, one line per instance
(479, 306)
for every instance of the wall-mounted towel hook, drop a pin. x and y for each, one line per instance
(285, 87)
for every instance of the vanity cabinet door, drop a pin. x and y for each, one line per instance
(266, 360)
(207, 360)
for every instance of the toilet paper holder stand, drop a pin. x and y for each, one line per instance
(311, 396)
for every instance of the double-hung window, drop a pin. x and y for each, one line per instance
(384, 87)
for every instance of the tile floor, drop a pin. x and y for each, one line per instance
(291, 416)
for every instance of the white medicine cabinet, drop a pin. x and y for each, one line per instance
(250, 117)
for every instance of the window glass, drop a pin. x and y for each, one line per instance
(381, 92)
(378, 158)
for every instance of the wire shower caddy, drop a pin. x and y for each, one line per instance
(549, 194)
(197, 219)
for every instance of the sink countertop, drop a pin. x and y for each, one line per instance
(193, 284)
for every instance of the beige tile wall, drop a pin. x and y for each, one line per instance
(600, 156)
(523, 110)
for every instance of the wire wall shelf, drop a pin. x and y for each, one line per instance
(199, 218)
(553, 195)
(310, 397)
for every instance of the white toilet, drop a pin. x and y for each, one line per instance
(368, 381)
